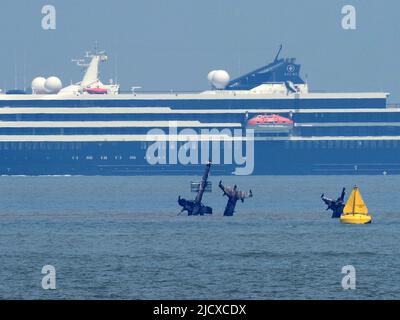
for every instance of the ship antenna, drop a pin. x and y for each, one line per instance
(15, 74)
(116, 68)
(24, 75)
(96, 47)
(277, 55)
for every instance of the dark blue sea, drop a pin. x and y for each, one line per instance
(122, 238)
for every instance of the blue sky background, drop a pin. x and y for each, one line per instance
(173, 44)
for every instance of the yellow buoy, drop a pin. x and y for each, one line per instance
(355, 210)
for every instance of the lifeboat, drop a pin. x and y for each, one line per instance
(270, 123)
(96, 90)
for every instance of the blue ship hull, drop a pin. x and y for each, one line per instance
(128, 158)
(332, 103)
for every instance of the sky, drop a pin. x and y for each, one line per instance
(173, 44)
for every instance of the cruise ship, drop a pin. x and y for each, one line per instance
(265, 122)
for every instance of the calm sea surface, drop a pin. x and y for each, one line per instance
(121, 238)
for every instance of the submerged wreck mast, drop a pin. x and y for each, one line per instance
(196, 207)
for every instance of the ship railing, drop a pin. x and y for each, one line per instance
(177, 93)
(158, 91)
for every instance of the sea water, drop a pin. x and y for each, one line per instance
(122, 238)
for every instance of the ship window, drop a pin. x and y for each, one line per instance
(391, 131)
(363, 131)
(89, 157)
(103, 158)
(132, 157)
(347, 131)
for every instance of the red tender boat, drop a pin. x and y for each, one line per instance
(270, 123)
(96, 90)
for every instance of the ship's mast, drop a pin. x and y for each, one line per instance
(91, 77)
(92, 69)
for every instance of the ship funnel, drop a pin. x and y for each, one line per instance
(92, 73)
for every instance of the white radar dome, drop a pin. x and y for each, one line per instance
(219, 79)
(211, 75)
(38, 85)
(53, 85)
